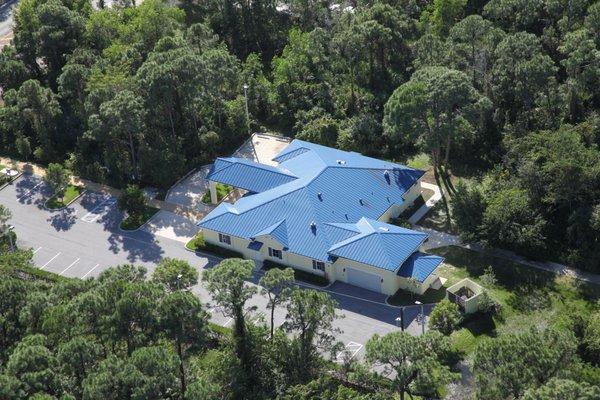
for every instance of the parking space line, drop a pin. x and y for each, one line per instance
(93, 216)
(49, 261)
(228, 322)
(352, 348)
(73, 263)
(38, 249)
(87, 273)
(27, 193)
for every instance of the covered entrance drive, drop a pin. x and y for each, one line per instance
(363, 279)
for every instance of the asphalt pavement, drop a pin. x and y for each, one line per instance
(84, 239)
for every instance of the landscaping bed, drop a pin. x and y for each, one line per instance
(300, 275)
(198, 244)
(222, 192)
(70, 193)
(133, 222)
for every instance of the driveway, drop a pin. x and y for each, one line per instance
(84, 239)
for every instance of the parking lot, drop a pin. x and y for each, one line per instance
(84, 239)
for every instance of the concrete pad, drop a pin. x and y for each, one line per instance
(262, 148)
(172, 226)
(189, 191)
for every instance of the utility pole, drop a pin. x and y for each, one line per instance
(422, 317)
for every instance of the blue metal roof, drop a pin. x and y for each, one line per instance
(379, 244)
(277, 231)
(315, 198)
(247, 174)
(419, 266)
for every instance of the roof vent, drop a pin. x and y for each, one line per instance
(320, 196)
(362, 203)
(381, 228)
(341, 162)
(313, 227)
(346, 215)
(386, 174)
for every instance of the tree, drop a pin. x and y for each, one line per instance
(521, 73)
(34, 365)
(437, 107)
(498, 364)
(591, 338)
(310, 317)
(227, 285)
(77, 358)
(175, 274)
(132, 200)
(277, 285)
(468, 206)
(57, 177)
(322, 130)
(563, 389)
(446, 13)
(411, 362)
(155, 373)
(184, 321)
(444, 317)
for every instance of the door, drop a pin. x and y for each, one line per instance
(363, 279)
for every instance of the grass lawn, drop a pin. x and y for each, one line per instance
(133, 222)
(222, 191)
(421, 161)
(60, 200)
(528, 297)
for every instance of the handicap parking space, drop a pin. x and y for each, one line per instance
(27, 189)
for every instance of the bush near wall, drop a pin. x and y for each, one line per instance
(198, 244)
(300, 275)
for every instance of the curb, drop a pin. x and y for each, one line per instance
(66, 205)
(12, 180)
(141, 226)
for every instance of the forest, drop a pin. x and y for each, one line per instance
(501, 97)
(131, 335)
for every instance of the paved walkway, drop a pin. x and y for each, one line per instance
(441, 239)
(437, 196)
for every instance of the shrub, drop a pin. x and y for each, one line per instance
(132, 200)
(445, 317)
(300, 275)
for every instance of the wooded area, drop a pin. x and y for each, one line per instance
(501, 92)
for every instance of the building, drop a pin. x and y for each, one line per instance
(324, 211)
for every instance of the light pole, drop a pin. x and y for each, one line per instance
(247, 112)
(400, 319)
(179, 276)
(422, 317)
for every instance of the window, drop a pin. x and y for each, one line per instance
(320, 265)
(225, 239)
(275, 253)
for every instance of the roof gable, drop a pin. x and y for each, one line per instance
(277, 231)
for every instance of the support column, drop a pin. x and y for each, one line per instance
(213, 192)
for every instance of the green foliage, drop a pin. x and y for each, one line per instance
(511, 364)
(563, 389)
(444, 317)
(199, 244)
(300, 275)
(591, 338)
(175, 274)
(57, 177)
(416, 361)
(132, 200)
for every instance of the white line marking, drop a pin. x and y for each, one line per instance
(93, 216)
(228, 322)
(27, 193)
(352, 348)
(87, 273)
(38, 249)
(73, 263)
(44, 266)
